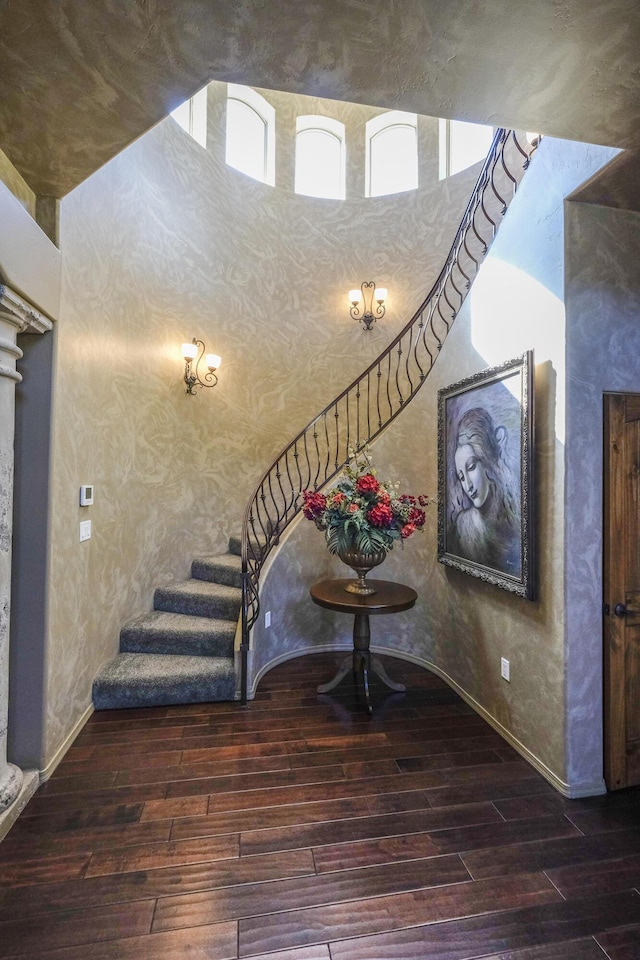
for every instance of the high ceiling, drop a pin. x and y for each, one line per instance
(80, 79)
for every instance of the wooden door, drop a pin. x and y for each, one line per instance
(622, 589)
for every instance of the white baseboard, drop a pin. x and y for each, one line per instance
(571, 790)
(64, 746)
(317, 648)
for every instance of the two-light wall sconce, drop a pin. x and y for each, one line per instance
(191, 351)
(362, 307)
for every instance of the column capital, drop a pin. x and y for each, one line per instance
(17, 315)
(20, 313)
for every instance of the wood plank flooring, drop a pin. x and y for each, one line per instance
(302, 829)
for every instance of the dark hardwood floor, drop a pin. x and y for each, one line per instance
(302, 829)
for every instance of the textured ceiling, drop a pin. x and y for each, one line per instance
(80, 79)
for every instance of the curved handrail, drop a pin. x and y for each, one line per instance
(368, 405)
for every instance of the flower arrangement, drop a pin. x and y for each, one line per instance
(362, 512)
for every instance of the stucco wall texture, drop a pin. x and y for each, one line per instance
(603, 346)
(460, 626)
(81, 81)
(165, 243)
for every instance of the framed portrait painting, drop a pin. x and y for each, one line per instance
(485, 475)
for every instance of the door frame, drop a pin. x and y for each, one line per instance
(614, 587)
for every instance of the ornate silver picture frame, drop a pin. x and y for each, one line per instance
(485, 476)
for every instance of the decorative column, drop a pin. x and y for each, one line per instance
(16, 316)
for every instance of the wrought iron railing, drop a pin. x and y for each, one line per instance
(369, 404)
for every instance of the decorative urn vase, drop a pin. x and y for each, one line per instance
(361, 564)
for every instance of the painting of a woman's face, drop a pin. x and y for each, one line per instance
(485, 443)
(472, 475)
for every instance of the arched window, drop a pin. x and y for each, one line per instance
(250, 141)
(462, 144)
(320, 157)
(391, 164)
(192, 116)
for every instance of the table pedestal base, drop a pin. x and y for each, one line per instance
(361, 661)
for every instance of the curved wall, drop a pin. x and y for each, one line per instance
(166, 243)
(461, 627)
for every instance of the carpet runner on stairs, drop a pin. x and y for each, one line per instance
(182, 652)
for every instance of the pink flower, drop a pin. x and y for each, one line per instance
(407, 530)
(353, 508)
(380, 516)
(337, 499)
(367, 484)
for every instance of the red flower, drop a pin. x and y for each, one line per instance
(380, 516)
(417, 517)
(314, 504)
(407, 530)
(353, 508)
(337, 499)
(367, 484)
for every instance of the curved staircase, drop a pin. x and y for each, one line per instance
(183, 651)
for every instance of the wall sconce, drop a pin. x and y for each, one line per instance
(367, 313)
(192, 379)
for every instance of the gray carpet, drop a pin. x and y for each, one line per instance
(182, 651)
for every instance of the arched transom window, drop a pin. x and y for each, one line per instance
(391, 160)
(250, 135)
(320, 157)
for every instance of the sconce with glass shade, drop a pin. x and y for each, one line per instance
(196, 351)
(362, 307)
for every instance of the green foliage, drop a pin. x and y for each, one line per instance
(363, 513)
(358, 536)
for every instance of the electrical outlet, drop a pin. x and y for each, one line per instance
(85, 530)
(505, 669)
(267, 619)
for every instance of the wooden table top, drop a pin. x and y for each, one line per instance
(388, 598)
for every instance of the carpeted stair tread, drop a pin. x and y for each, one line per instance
(178, 634)
(199, 598)
(235, 544)
(182, 652)
(147, 679)
(226, 568)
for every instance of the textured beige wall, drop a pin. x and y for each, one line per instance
(603, 307)
(461, 625)
(17, 184)
(166, 243)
